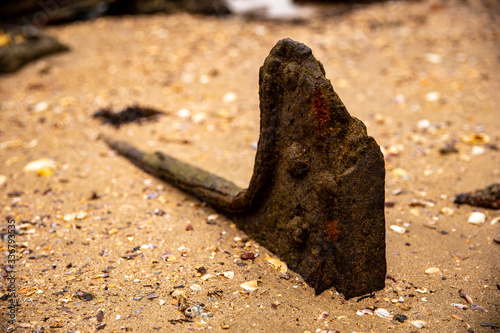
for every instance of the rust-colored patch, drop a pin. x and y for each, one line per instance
(331, 230)
(320, 111)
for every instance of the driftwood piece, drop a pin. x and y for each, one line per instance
(316, 196)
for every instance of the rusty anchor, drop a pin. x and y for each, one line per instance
(316, 196)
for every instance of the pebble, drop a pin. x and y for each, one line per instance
(248, 255)
(400, 317)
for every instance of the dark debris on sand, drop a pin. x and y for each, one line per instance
(131, 114)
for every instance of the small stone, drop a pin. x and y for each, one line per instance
(189, 227)
(248, 255)
(400, 317)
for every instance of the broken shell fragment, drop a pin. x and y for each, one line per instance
(476, 139)
(419, 323)
(323, 316)
(227, 274)
(398, 229)
(383, 313)
(43, 167)
(477, 218)
(432, 270)
(250, 285)
(277, 264)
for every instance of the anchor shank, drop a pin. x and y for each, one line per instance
(208, 187)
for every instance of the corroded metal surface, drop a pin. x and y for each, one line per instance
(316, 196)
(488, 197)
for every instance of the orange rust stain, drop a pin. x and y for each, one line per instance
(320, 111)
(331, 229)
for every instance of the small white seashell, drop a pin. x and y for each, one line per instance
(398, 229)
(432, 96)
(433, 58)
(250, 285)
(477, 218)
(206, 277)
(423, 124)
(183, 113)
(37, 165)
(323, 316)
(212, 217)
(229, 97)
(363, 311)
(478, 150)
(228, 274)
(432, 270)
(42, 106)
(383, 313)
(447, 211)
(195, 287)
(419, 323)
(460, 306)
(193, 311)
(495, 220)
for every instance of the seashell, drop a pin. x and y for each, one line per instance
(323, 316)
(195, 287)
(398, 229)
(432, 270)
(460, 306)
(212, 217)
(476, 139)
(383, 313)
(250, 285)
(419, 323)
(447, 211)
(495, 220)
(277, 264)
(193, 311)
(43, 167)
(477, 218)
(398, 172)
(227, 274)
(361, 312)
